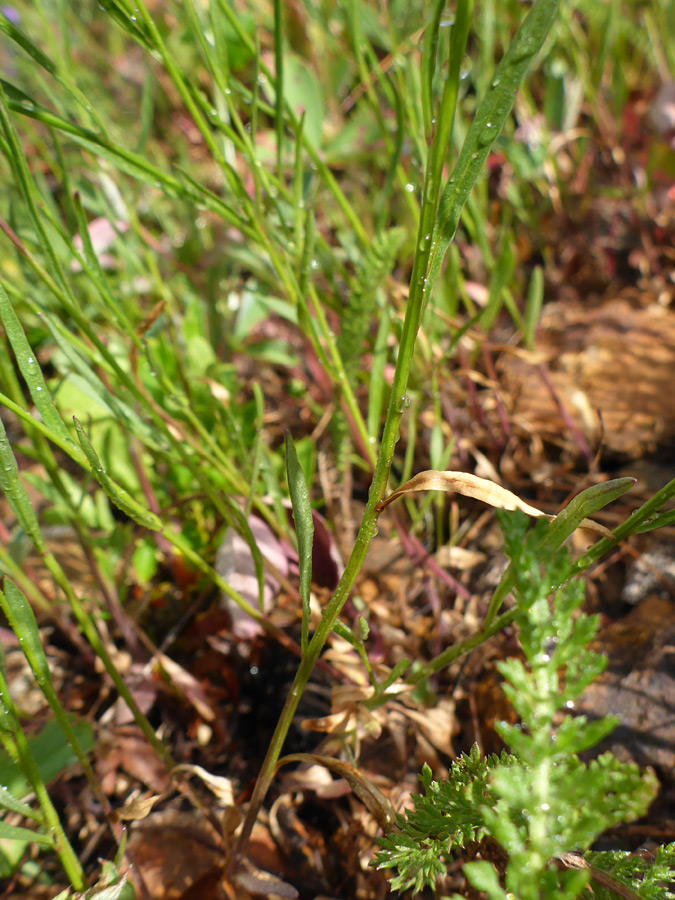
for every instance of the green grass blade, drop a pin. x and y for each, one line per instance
(428, 65)
(133, 164)
(501, 274)
(132, 24)
(377, 384)
(14, 733)
(16, 833)
(486, 127)
(121, 498)
(16, 493)
(30, 369)
(304, 528)
(26, 44)
(630, 526)
(660, 521)
(533, 305)
(448, 105)
(583, 506)
(279, 83)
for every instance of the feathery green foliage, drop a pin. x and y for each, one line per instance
(538, 801)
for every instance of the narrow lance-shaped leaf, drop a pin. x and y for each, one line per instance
(584, 504)
(304, 527)
(16, 833)
(486, 127)
(133, 164)
(117, 494)
(27, 44)
(16, 493)
(30, 369)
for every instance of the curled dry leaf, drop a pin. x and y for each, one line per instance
(137, 808)
(219, 785)
(373, 799)
(480, 489)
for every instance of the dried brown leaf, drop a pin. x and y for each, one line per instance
(480, 489)
(137, 808)
(373, 799)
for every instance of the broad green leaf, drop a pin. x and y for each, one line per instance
(20, 616)
(52, 754)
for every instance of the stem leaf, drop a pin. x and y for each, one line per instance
(304, 527)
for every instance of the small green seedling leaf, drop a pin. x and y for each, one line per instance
(533, 304)
(304, 528)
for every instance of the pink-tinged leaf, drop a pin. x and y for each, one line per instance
(326, 563)
(102, 234)
(234, 563)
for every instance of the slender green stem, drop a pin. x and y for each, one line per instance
(452, 653)
(279, 83)
(368, 527)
